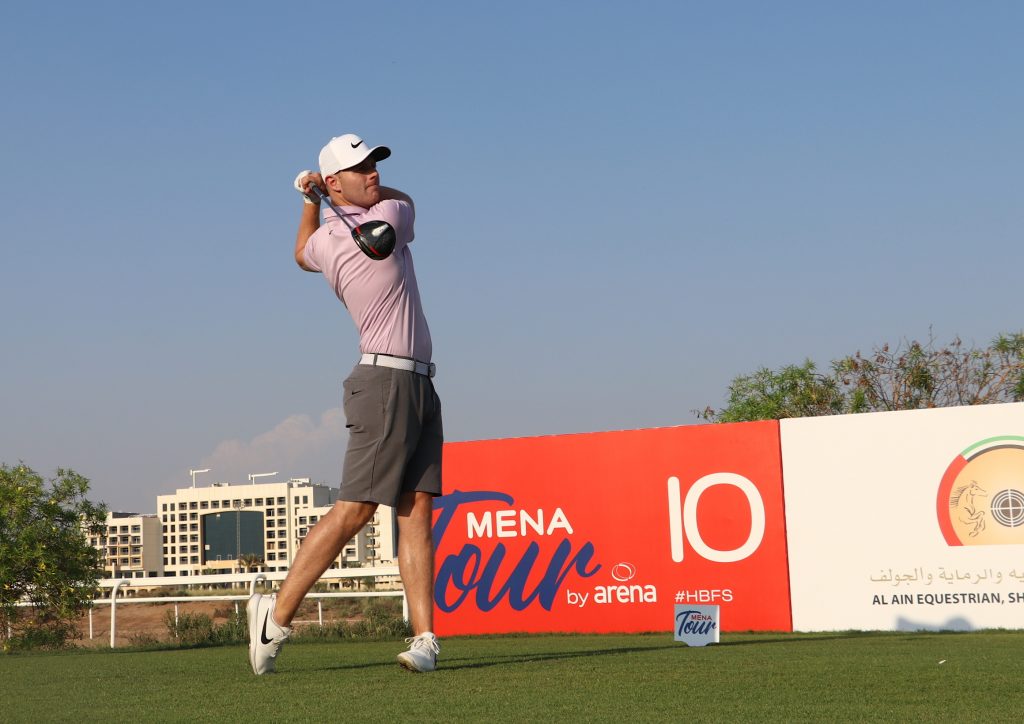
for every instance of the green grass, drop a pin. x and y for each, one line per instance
(748, 677)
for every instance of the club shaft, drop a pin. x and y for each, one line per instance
(324, 197)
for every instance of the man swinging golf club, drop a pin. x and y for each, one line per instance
(392, 412)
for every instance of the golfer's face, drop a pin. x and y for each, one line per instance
(360, 185)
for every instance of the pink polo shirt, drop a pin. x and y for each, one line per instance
(382, 296)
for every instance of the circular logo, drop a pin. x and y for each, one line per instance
(1008, 508)
(981, 496)
(623, 571)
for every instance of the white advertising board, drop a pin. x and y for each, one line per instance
(906, 520)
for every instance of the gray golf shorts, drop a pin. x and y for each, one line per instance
(394, 435)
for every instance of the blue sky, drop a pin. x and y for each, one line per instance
(620, 208)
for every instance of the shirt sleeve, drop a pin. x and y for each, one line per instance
(311, 253)
(400, 215)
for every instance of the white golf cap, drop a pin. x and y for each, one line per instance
(346, 151)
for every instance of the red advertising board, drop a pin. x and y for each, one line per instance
(606, 532)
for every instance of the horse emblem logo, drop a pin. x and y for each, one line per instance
(981, 495)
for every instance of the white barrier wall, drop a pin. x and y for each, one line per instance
(906, 520)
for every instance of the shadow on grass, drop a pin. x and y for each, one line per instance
(485, 661)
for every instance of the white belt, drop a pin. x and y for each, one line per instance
(427, 369)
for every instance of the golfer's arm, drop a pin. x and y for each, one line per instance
(387, 192)
(308, 224)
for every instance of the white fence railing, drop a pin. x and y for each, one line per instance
(124, 585)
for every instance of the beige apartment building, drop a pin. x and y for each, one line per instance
(229, 528)
(130, 546)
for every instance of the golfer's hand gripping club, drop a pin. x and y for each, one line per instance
(300, 187)
(376, 239)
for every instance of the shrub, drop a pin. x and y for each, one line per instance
(50, 634)
(190, 628)
(381, 621)
(143, 640)
(198, 629)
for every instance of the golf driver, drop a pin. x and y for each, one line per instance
(375, 238)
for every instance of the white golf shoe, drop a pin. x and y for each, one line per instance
(265, 636)
(422, 654)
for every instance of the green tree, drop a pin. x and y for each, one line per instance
(45, 557)
(907, 376)
(792, 391)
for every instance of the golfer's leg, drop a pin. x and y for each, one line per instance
(321, 547)
(416, 557)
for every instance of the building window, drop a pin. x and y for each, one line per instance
(194, 559)
(271, 556)
(193, 505)
(172, 506)
(216, 504)
(270, 523)
(280, 511)
(136, 529)
(204, 505)
(247, 502)
(305, 500)
(314, 518)
(193, 516)
(302, 520)
(164, 508)
(194, 526)
(280, 522)
(270, 534)
(280, 501)
(302, 532)
(296, 499)
(259, 502)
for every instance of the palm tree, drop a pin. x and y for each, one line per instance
(249, 561)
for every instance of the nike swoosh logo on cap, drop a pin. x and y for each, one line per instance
(263, 636)
(357, 145)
